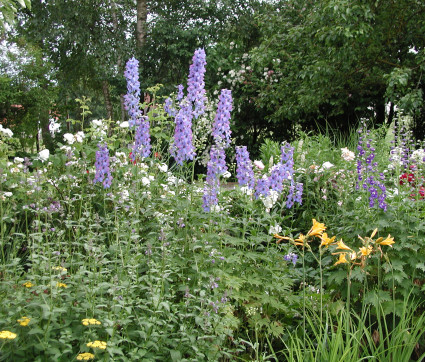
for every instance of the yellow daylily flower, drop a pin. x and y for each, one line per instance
(365, 251)
(388, 241)
(326, 241)
(373, 233)
(280, 238)
(317, 229)
(341, 245)
(24, 321)
(300, 240)
(342, 259)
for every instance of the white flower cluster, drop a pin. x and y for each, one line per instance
(54, 126)
(347, 155)
(418, 156)
(70, 138)
(6, 131)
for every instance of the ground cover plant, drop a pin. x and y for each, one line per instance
(115, 247)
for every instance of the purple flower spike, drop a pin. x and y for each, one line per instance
(221, 127)
(244, 171)
(196, 84)
(103, 173)
(132, 98)
(142, 140)
(183, 149)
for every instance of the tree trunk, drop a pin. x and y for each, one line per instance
(108, 103)
(142, 15)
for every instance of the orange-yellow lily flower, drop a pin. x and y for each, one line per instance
(341, 245)
(326, 241)
(317, 229)
(365, 251)
(342, 259)
(388, 241)
(300, 240)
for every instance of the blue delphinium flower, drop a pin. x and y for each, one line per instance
(244, 171)
(221, 127)
(142, 145)
(216, 166)
(262, 188)
(103, 173)
(132, 98)
(180, 93)
(182, 148)
(169, 108)
(196, 84)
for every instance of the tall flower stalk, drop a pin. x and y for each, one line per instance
(103, 172)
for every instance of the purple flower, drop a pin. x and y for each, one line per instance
(216, 166)
(244, 171)
(142, 145)
(196, 84)
(180, 94)
(169, 108)
(103, 173)
(262, 188)
(292, 257)
(132, 98)
(221, 127)
(183, 149)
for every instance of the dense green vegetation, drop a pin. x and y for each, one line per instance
(271, 208)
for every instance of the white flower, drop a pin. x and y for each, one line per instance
(163, 167)
(347, 155)
(247, 190)
(326, 165)
(259, 164)
(227, 174)
(276, 229)
(97, 123)
(54, 127)
(6, 131)
(418, 156)
(44, 155)
(7, 194)
(79, 136)
(124, 124)
(216, 208)
(18, 160)
(69, 138)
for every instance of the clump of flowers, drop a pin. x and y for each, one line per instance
(24, 321)
(85, 356)
(28, 284)
(97, 344)
(103, 173)
(142, 141)
(7, 335)
(90, 321)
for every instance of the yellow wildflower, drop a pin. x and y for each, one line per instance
(90, 321)
(326, 241)
(317, 229)
(341, 245)
(388, 241)
(61, 285)
(365, 251)
(23, 321)
(300, 240)
(85, 356)
(7, 335)
(59, 268)
(97, 344)
(280, 238)
(28, 284)
(342, 259)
